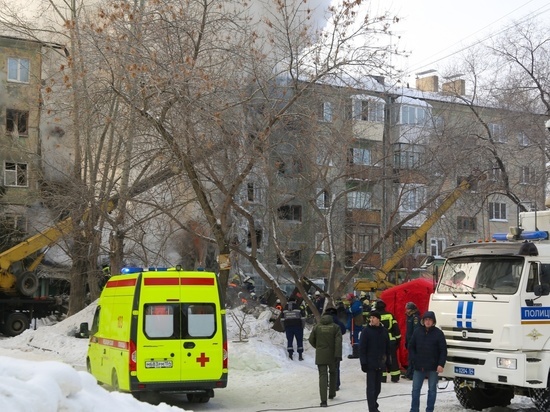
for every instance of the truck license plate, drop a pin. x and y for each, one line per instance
(158, 364)
(464, 371)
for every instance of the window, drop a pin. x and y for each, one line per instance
(290, 212)
(407, 156)
(360, 156)
(412, 114)
(497, 132)
(437, 246)
(412, 198)
(473, 182)
(293, 256)
(250, 192)
(17, 122)
(363, 237)
(258, 236)
(201, 320)
(495, 173)
(323, 199)
(497, 211)
(523, 140)
(15, 174)
(371, 110)
(253, 192)
(289, 169)
(466, 224)
(177, 320)
(359, 200)
(326, 112)
(18, 70)
(439, 123)
(528, 176)
(323, 157)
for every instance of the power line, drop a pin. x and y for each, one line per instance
(528, 16)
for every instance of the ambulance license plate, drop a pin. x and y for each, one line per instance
(158, 364)
(464, 371)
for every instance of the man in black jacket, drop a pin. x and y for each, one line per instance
(428, 354)
(413, 323)
(374, 355)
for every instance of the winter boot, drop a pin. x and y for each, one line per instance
(300, 357)
(290, 355)
(354, 352)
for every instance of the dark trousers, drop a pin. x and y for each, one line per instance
(337, 366)
(374, 386)
(394, 371)
(410, 369)
(294, 332)
(327, 382)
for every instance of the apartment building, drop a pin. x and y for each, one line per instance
(375, 165)
(34, 148)
(20, 97)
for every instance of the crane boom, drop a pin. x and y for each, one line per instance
(419, 233)
(382, 273)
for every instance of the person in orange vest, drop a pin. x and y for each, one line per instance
(278, 305)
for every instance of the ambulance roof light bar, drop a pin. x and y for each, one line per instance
(130, 270)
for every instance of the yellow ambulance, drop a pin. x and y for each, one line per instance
(160, 331)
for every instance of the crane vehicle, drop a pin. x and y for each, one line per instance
(381, 282)
(18, 280)
(493, 303)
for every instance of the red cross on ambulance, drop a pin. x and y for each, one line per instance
(203, 359)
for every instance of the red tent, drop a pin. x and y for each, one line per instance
(396, 297)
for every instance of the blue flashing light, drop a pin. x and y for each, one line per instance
(534, 235)
(128, 271)
(200, 269)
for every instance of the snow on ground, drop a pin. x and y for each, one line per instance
(43, 370)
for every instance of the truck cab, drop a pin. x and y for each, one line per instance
(493, 304)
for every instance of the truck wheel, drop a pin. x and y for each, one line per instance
(27, 283)
(481, 398)
(15, 324)
(541, 399)
(89, 366)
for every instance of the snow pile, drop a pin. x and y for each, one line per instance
(49, 386)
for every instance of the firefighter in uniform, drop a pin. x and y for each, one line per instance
(293, 319)
(366, 307)
(388, 320)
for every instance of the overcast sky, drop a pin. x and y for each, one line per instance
(435, 30)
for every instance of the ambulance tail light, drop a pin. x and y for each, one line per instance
(133, 357)
(225, 355)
